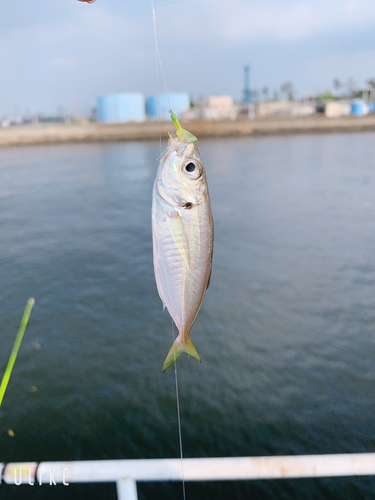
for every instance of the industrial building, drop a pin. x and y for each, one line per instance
(126, 107)
(214, 108)
(334, 109)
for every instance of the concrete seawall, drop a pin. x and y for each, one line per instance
(96, 132)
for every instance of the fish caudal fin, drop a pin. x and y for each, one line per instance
(177, 348)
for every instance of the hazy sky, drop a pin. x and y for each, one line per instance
(51, 49)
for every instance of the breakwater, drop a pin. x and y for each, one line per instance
(99, 132)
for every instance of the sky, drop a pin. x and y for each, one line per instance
(64, 53)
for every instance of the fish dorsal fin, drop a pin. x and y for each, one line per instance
(178, 232)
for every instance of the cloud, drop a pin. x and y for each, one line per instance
(267, 20)
(44, 62)
(357, 63)
(291, 23)
(87, 27)
(63, 62)
(49, 49)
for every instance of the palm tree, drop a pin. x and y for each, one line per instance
(288, 89)
(337, 84)
(351, 85)
(265, 92)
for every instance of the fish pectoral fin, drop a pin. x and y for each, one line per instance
(177, 348)
(178, 232)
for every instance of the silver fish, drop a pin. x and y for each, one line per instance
(182, 228)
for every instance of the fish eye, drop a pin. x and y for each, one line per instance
(192, 169)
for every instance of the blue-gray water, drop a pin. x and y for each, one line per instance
(286, 332)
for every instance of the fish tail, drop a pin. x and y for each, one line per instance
(177, 348)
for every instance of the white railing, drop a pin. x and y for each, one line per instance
(126, 473)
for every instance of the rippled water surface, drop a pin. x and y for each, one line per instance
(286, 332)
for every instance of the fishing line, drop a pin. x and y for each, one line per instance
(159, 63)
(179, 422)
(158, 53)
(157, 70)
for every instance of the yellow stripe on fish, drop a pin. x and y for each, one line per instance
(177, 230)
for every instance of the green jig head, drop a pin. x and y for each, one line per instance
(183, 134)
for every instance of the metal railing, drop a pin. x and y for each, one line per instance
(126, 473)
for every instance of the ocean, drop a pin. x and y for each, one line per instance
(286, 331)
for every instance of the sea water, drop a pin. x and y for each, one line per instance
(286, 332)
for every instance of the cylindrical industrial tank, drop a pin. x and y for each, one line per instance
(120, 108)
(359, 108)
(178, 102)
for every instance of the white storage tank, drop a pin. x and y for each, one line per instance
(179, 102)
(359, 108)
(121, 108)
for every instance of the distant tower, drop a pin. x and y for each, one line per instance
(246, 90)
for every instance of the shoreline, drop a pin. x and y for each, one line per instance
(99, 132)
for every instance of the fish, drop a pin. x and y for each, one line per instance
(87, 1)
(182, 233)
